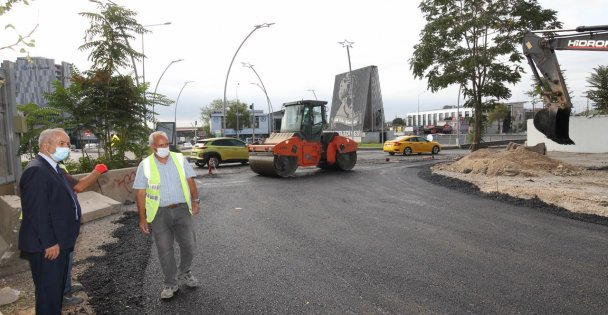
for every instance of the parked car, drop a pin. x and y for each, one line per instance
(219, 150)
(411, 144)
(254, 140)
(91, 146)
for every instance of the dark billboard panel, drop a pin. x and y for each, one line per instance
(357, 102)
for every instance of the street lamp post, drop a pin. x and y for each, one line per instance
(195, 127)
(349, 45)
(237, 110)
(382, 118)
(253, 123)
(313, 93)
(175, 114)
(255, 28)
(143, 59)
(263, 87)
(156, 87)
(143, 66)
(458, 118)
(269, 106)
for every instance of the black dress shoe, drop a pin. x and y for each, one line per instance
(71, 300)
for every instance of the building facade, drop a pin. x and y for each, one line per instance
(34, 77)
(447, 115)
(259, 130)
(438, 117)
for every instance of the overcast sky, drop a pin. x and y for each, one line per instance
(298, 53)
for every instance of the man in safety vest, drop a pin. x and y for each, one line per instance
(167, 199)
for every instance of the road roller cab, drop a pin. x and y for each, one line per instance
(302, 142)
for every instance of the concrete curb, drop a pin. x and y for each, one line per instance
(94, 206)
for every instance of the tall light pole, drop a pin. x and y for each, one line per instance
(253, 123)
(175, 114)
(269, 106)
(382, 117)
(418, 117)
(255, 28)
(157, 82)
(313, 93)
(143, 59)
(143, 65)
(195, 127)
(349, 45)
(237, 110)
(263, 87)
(458, 118)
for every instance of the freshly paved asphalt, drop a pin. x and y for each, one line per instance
(380, 240)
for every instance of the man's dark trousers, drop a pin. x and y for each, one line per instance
(49, 279)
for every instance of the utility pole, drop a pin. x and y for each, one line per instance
(382, 117)
(237, 110)
(349, 45)
(253, 123)
(458, 118)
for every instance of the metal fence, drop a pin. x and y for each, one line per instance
(10, 167)
(450, 139)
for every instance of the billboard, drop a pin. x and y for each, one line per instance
(167, 127)
(357, 102)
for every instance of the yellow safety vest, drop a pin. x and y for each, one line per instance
(153, 186)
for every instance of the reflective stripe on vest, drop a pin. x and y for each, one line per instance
(153, 185)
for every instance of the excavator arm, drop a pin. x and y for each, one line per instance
(553, 120)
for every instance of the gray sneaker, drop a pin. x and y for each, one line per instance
(71, 300)
(168, 291)
(76, 287)
(188, 279)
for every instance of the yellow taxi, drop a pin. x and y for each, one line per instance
(219, 150)
(408, 145)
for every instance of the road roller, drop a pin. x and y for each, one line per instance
(302, 142)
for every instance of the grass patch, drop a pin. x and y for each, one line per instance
(370, 145)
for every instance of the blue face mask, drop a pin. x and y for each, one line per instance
(60, 154)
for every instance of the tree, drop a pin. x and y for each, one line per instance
(22, 40)
(80, 101)
(232, 107)
(216, 105)
(244, 116)
(475, 44)
(37, 119)
(598, 92)
(500, 113)
(398, 122)
(108, 36)
(114, 96)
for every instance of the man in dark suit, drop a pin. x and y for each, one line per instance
(51, 220)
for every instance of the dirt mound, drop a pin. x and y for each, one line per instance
(519, 161)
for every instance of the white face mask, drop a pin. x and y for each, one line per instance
(162, 152)
(60, 154)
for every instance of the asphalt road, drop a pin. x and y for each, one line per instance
(380, 240)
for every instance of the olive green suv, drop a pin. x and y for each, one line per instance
(216, 151)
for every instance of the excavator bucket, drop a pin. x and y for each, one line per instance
(554, 123)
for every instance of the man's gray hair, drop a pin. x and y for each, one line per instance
(47, 135)
(156, 134)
